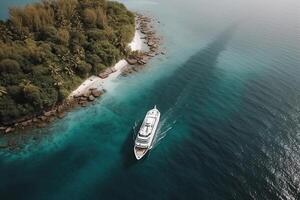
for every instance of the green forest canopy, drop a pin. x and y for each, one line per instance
(47, 48)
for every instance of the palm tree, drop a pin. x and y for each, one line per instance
(25, 85)
(2, 91)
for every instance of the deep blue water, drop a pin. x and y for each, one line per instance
(229, 94)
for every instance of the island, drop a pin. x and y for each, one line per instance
(54, 53)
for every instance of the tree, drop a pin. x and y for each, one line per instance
(108, 53)
(63, 36)
(15, 92)
(66, 8)
(31, 93)
(101, 17)
(90, 16)
(126, 33)
(15, 16)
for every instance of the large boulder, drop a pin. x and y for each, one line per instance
(91, 98)
(131, 61)
(41, 125)
(96, 93)
(26, 123)
(150, 54)
(61, 115)
(42, 118)
(103, 75)
(87, 94)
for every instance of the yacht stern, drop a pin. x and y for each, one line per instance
(139, 152)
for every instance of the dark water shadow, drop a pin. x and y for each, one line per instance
(188, 84)
(196, 73)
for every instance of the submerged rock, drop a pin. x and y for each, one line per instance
(103, 75)
(4, 145)
(61, 115)
(84, 104)
(9, 129)
(41, 125)
(91, 98)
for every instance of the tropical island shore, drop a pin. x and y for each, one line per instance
(102, 82)
(68, 69)
(145, 44)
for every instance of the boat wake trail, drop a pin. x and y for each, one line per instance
(162, 131)
(166, 124)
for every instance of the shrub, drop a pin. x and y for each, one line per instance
(83, 69)
(39, 70)
(32, 16)
(9, 66)
(108, 53)
(96, 35)
(101, 17)
(66, 8)
(93, 59)
(48, 33)
(15, 92)
(63, 36)
(32, 94)
(97, 68)
(15, 16)
(78, 38)
(59, 49)
(8, 109)
(126, 33)
(63, 93)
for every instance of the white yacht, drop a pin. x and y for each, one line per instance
(145, 136)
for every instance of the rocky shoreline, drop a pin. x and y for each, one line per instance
(136, 61)
(57, 112)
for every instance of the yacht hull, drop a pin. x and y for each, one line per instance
(147, 132)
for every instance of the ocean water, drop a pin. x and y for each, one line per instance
(229, 93)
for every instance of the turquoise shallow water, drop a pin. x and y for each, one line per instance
(229, 95)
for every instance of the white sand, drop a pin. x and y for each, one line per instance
(137, 43)
(99, 83)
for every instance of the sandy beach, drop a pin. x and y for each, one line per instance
(136, 44)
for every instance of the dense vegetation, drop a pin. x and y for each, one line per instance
(47, 48)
